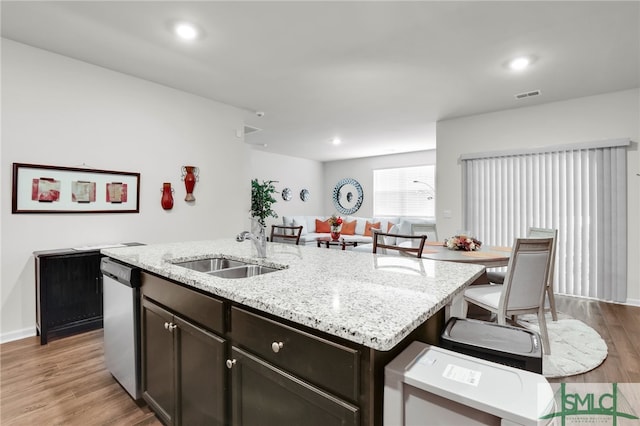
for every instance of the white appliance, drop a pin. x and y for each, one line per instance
(121, 312)
(429, 385)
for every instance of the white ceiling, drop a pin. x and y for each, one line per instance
(376, 74)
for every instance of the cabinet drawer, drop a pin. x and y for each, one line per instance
(202, 309)
(319, 361)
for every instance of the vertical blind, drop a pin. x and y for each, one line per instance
(396, 194)
(579, 190)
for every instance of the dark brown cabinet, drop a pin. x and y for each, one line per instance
(215, 362)
(183, 369)
(68, 292)
(264, 395)
(158, 369)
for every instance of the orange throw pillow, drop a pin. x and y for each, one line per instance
(368, 226)
(323, 227)
(349, 228)
(389, 226)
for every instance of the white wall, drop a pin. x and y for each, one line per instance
(59, 111)
(290, 172)
(593, 118)
(361, 169)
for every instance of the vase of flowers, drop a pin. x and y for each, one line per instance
(462, 242)
(335, 222)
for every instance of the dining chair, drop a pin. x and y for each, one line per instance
(524, 286)
(286, 234)
(428, 229)
(498, 277)
(387, 241)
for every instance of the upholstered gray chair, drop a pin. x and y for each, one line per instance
(498, 277)
(428, 229)
(524, 286)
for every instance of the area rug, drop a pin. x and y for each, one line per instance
(575, 347)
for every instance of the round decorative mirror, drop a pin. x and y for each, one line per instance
(343, 196)
(286, 194)
(304, 195)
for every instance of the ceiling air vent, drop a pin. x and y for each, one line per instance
(248, 130)
(527, 94)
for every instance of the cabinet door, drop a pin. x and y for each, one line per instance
(158, 371)
(201, 376)
(264, 395)
(73, 288)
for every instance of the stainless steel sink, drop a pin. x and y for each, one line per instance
(243, 271)
(211, 264)
(226, 268)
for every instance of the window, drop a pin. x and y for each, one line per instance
(406, 191)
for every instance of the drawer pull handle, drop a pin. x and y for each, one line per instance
(276, 346)
(230, 363)
(172, 327)
(166, 325)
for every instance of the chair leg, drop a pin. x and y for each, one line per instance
(464, 308)
(552, 303)
(546, 347)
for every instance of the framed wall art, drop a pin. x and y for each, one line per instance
(52, 189)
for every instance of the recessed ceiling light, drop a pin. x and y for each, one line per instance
(186, 31)
(336, 141)
(518, 64)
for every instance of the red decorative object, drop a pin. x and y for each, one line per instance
(167, 196)
(190, 176)
(336, 226)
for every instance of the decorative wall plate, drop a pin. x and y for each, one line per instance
(305, 195)
(287, 195)
(343, 196)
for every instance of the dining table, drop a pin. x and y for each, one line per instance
(489, 256)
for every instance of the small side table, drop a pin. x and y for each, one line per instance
(327, 241)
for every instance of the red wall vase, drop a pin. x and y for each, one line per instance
(167, 196)
(190, 176)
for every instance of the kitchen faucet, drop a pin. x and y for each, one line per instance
(259, 241)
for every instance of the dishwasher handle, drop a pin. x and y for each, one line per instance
(120, 272)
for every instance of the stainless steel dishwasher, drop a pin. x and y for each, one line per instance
(121, 310)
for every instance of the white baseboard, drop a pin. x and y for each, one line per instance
(17, 335)
(630, 302)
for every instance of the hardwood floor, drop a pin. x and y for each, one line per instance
(619, 326)
(66, 382)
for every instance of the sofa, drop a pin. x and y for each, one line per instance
(361, 231)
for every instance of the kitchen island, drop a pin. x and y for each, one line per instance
(330, 321)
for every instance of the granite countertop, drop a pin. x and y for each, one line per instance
(373, 300)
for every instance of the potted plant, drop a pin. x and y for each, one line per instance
(261, 200)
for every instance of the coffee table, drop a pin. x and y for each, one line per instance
(327, 241)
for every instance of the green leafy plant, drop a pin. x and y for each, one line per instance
(262, 199)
